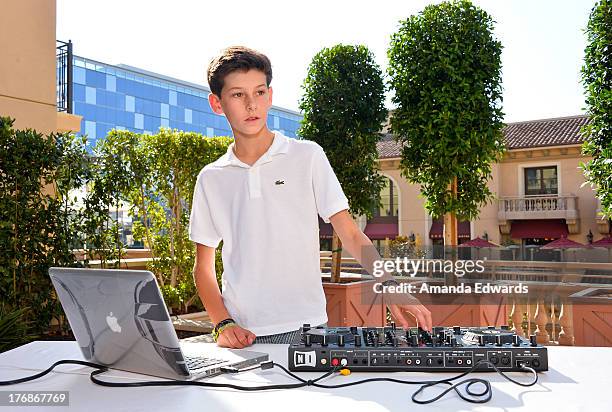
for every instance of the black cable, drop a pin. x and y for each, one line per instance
(474, 397)
(485, 395)
(102, 368)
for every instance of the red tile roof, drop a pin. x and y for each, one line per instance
(519, 135)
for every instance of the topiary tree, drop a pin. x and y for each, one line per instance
(343, 106)
(597, 81)
(445, 69)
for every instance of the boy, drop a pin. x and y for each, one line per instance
(262, 198)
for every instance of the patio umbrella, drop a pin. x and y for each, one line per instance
(479, 243)
(513, 248)
(531, 249)
(564, 243)
(605, 242)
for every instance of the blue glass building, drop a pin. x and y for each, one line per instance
(125, 97)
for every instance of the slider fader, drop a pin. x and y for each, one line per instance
(391, 348)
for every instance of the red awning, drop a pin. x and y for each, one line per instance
(325, 229)
(538, 228)
(381, 231)
(437, 229)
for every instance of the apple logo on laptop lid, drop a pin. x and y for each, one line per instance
(112, 323)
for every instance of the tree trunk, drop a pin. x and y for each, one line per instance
(336, 258)
(451, 238)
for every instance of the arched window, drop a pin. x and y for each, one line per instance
(389, 200)
(384, 222)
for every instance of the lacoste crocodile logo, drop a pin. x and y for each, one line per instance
(279, 182)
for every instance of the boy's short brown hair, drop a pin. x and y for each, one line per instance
(236, 58)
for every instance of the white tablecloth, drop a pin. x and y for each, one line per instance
(578, 380)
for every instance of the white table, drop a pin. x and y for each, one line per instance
(578, 380)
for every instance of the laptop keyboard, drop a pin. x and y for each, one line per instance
(195, 363)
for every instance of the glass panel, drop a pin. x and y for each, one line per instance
(78, 74)
(172, 97)
(395, 202)
(138, 121)
(549, 177)
(90, 95)
(385, 209)
(210, 132)
(130, 103)
(111, 84)
(188, 116)
(90, 129)
(165, 110)
(541, 181)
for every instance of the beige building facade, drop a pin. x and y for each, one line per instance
(28, 83)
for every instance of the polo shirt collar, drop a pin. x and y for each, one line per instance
(280, 145)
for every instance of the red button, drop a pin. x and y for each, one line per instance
(335, 362)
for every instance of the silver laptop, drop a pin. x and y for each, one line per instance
(119, 319)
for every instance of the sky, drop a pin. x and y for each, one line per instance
(543, 40)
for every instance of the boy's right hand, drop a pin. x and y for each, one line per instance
(235, 337)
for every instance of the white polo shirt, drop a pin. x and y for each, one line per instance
(266, 215)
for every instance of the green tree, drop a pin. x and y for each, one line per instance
(38, 220)
(155, 176)
(445, 70)
(343, 106)
(597, 81)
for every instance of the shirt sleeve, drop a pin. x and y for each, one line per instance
(201, 225)
(329, 196)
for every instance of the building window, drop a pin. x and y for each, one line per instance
(325, 244)
(130, 103)
(90, 95)
(188, 117)
(541, 181)
(389, 200)
(78, 75)
(172, 97)
(111, 84)
(210, 132)
(90, 129)
(165, 110)
(138, 121)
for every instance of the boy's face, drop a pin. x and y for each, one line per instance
(245, 100)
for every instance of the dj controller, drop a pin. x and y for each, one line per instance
(391, 348)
